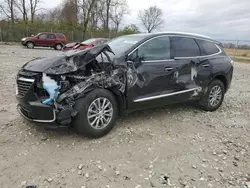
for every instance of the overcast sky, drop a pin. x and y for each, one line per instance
(220, 19)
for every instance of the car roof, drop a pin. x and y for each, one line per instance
(194, 35)
(50, 33)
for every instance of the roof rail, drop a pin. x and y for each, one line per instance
(184, 33)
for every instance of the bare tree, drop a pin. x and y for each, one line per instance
(86, 10)
(33, 8)
(69, 12)
(7, 7)
(118, 10)
(151, 18)
(22, 7)
(105, 13)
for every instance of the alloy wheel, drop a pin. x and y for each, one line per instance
(100, 113)
(215, 95)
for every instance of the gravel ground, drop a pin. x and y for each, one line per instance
(175, 146)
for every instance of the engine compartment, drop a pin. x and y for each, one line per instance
(63, 83)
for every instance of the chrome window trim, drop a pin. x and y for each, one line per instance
(193, 37)
(204, 56)
(164, 95)
(152, 61)
(26, 79)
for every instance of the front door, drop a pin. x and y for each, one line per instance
(41, 40)
(161, 78)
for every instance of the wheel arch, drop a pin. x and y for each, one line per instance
(222, 78)
(29, 41)
(120, 99)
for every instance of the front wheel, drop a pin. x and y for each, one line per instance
(97, 113)
(30, 45)
(213, 97)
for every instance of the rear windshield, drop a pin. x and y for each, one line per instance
(120, 45)
(88, 41)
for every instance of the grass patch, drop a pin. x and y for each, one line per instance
(238, 52)
(241, 60)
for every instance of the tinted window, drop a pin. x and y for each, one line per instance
(43, 36)
(207, 48)
(184, 47)
(51, 36)
(155, 49)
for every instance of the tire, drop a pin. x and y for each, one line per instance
(30, 45)
(58, 47)
(216, 86)
(86, 108)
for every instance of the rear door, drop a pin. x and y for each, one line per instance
(51, 39)
(186, 52)
(165, 74)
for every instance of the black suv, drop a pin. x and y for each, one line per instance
(89, 89)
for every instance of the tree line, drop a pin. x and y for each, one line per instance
(84, 15)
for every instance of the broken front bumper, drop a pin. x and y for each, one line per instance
(37, 112)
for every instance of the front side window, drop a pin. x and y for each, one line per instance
(155, 49)
(207, 48)
(42, 36)
(184, 47)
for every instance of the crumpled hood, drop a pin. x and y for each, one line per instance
(66, 62)
(42, 64)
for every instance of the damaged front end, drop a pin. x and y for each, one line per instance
(70, 76)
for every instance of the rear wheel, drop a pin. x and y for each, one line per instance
(30, 45)
(58, 47)
(97, 113)
(213, 97)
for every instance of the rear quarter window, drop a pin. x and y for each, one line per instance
(61, 36)
(207, 48)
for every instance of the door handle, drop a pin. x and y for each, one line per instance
(206, 65)
(168, 69)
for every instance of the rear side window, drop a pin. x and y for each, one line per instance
(155, 49)
(51, 36)
(207, 48)
(184, 47)
(61, 36)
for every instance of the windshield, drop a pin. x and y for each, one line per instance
(120, 45)
(88, 41)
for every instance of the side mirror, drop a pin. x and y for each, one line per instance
(137, 60)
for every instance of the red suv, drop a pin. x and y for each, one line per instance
(55, 40)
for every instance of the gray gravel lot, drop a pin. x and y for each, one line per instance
(175, 146)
